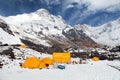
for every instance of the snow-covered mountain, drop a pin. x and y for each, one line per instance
(6, 35)
(107, 34)
(42, 28)
(38, 26)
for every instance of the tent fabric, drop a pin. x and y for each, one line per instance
(23, 46)
(45, 62)
(95, 58)
(61, 57)
(34, 62)
(42, 65)
(31, 62)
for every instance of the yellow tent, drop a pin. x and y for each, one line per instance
(45, 61)
(34, 62)
(42, 64)
(23, 46)
(95, 58)
(31, 63)
(61, 57)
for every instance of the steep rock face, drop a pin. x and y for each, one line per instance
(80, 39)
(7, 50)
(5, 27)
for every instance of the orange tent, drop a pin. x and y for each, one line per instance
(31, 63)
(42, 64)
(23, 46)
(95, 58)
(47, 60)
(61, 57)
(34, 62)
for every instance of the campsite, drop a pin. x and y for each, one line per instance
(60, 65)
(59, 39)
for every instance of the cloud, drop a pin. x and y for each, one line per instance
(83, 10)
(102, 4)
(114, 8)
(94, 5)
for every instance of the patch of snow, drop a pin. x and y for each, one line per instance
(6, 38)
(107, 34)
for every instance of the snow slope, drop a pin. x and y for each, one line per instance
(37, 27)
(41, 20)
(107, 34)
(6, 38)
(91, 71)
(100, 70)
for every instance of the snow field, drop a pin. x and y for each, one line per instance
(91, 71)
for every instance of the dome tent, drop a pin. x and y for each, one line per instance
(45, 62)
(95, 58)
(34, 62)
(42, 65)
(31, 63)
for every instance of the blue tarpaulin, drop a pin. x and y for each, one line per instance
(61, 66)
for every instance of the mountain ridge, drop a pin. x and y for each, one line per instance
(106, 34)
(42, 28)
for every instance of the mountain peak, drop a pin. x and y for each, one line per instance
(42, 28)
(107, 34)
(42, 12)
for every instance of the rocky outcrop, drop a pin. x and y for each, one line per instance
(80, 39)
(8, 51)
(5, 27)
